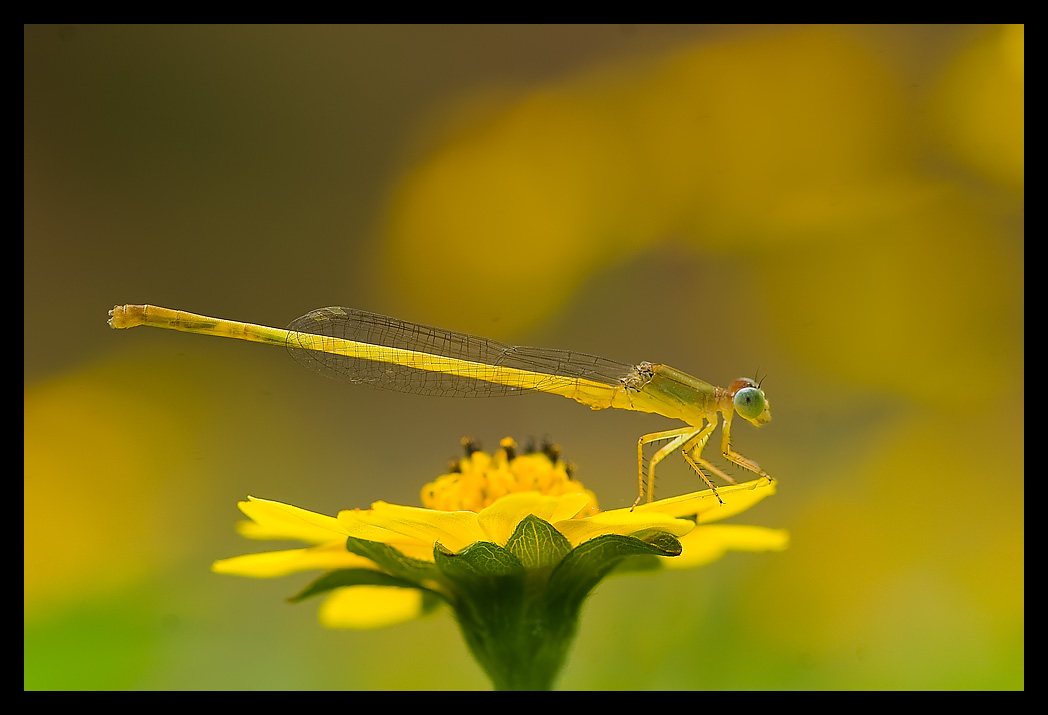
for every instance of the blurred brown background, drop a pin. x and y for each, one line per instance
(840, 208)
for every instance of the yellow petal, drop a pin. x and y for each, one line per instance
(709, 543)
(364, 607)
(737, 498)
(271, 564)
(500, 520)
(274, 520)
(622, 522)
(392, 523)
(570, 505)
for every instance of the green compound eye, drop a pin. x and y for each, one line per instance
(749, 402)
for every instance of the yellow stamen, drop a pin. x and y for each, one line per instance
(482, 478)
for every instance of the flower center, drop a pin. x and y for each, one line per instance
(478, 479)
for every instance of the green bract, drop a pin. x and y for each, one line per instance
(517, 606)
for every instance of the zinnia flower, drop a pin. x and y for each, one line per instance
(511, 542)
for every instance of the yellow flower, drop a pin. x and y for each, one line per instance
(484, 500)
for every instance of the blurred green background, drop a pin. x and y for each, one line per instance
(840, 208)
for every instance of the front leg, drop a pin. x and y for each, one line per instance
(732, 456)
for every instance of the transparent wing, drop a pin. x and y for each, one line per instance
(375, 368)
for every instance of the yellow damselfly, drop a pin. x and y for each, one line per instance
(391, 354)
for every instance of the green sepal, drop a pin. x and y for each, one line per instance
(393, 561)
(666, 543)
(349, 577)
(582, 569)
(481, 570)
(537, 544)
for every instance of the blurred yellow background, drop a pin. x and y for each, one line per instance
(839, 208)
